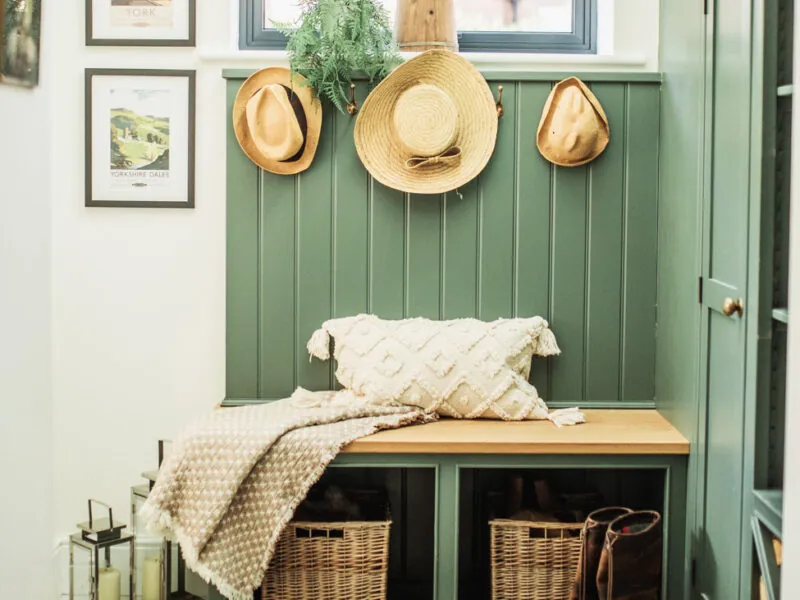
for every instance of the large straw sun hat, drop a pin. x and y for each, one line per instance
(277, 121)
(430, 126)
(574, 128)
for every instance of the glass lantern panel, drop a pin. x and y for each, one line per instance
(150, 551)
(101, 571)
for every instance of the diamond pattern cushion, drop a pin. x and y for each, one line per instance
(463, 368)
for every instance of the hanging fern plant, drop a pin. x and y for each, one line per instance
(332, 39)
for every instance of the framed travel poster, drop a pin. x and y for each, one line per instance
(140, 138)
(20, 27)
(140, 22)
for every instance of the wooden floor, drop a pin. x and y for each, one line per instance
(616, 431)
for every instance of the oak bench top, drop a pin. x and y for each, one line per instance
(606, 431)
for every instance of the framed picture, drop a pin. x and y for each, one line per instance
(141, 22)
(20, 27)
(140, 138)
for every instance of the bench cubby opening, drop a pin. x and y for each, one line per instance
(412, 501)
(488, 493)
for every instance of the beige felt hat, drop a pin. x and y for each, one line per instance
(573, 129)
(277, 121)
(430, 126)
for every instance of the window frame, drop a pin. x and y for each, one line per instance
(581, 40)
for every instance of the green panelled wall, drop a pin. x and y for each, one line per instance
(577, 246)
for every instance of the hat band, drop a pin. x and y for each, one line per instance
(450, 155)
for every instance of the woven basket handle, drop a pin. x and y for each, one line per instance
(304, 533)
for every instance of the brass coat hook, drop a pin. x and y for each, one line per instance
(499, 104)
(352, 106)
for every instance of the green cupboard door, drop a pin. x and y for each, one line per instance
(725, 258)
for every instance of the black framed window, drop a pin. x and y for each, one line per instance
(547, 26)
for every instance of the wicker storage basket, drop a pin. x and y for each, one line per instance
(533, 561)
(329, 561)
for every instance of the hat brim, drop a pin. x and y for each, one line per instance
(383, 155)
(311, 107)
(543, 138)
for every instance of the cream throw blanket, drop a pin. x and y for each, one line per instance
(235, 478)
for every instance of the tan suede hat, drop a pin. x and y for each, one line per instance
(277, 121)
(574, 129)
(430, 126)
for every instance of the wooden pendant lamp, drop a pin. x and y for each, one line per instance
(426, 24)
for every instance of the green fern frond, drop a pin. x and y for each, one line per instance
(334, 38)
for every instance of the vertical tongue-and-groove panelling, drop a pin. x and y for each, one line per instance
(575, 245)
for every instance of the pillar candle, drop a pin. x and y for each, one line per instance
(151, 578)
(108, 584)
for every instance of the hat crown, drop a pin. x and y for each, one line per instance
(574, 128)
(573, 123)
(430, 126)
(425, 120)
(273, 123)
(271, 106)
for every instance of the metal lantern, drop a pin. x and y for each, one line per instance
(163, 572)
(98, 537)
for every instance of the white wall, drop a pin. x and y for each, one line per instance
(138, 310)
(25, 303)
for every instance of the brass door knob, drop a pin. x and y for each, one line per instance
(731, 306)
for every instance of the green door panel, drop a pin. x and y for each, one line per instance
(720, 538)
(682, 42)
(575, 245)
(725, 275)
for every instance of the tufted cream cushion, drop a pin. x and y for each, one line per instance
(463, 368)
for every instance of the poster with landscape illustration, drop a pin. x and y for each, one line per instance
(139, 141)
(139, 127)
(142, 138)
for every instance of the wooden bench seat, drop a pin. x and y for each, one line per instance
(607, 431)
(630, 440)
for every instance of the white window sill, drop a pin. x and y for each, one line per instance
(482, 60)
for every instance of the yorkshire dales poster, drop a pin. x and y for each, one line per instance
(142, 138)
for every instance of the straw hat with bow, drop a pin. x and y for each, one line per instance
(430, 126)
(574, 129)
(277, 121)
